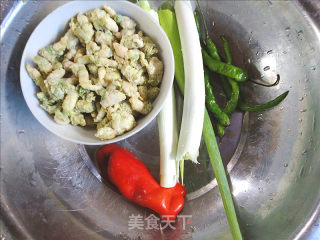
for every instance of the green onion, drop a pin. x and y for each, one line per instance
(169, 24)
(168, 131)
(219, 172)
(194, 90)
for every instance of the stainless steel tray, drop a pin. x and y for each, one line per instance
(51, 189)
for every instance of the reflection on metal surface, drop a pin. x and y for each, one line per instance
(231, 164)
(85, 157)
(268, 66)
(240, 187)
(48, 192)
(10, 16)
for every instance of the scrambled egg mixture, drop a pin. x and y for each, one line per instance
(103, 72)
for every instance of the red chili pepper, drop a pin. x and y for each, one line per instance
(134, 181)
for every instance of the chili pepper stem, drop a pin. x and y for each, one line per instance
(267, 85)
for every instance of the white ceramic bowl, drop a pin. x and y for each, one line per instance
(51, 29)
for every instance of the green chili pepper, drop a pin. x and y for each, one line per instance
(262, 107)
(222, 118)
(233, 102)
(211, 47)
(211, 103)
(232, 93)
(230, 106)
(226, 49)
(221, 130)
(223, 68)
(225, 86)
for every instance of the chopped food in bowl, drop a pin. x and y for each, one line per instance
(105, 72)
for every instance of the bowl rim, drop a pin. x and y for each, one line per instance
(137, 128)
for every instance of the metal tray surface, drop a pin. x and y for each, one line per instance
(52, 189)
